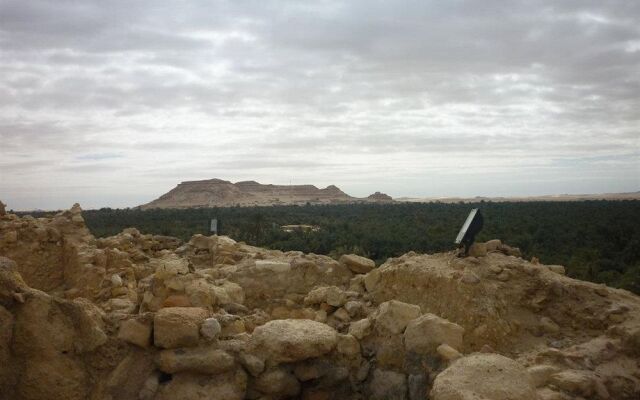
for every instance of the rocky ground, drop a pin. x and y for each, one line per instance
(138, 316)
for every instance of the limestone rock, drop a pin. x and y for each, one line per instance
(210, 329)
(394, 315)
(371, 280)
(348, 345)
(293, 340)
(135, 332)
(540, 374)
(483, 376)
(277, 382)
(573, 381)
(178, 326)
(478, 250)
(424, 334)
(196, 359)
(360, 329)
(493, 245)
(252, 364)
(357, 264)
(447, 352)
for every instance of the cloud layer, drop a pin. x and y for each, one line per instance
(113, 103)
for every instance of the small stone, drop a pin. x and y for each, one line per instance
(178, 326)
(336, 297)
(135, 332)
(348, 345)
(357, 264)
(210, 329)
(394, 316)
(493, 245)
(252, 364)
(116, 280)
(199, 360)
(504, 276)
(360, 329)
(548, 325)
(424, 334)
(371, 280)
(342, 315)
(496, 269)
(558, 269)
(469, 277)
(176, 300)
(277, 382)
(540, 374)
(478, 250)
(448, 353)
(353, 307)
(572, 381)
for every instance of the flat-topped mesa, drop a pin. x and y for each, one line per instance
(221, 193)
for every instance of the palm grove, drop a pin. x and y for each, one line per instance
(596, 240)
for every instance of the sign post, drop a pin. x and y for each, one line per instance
(469, 230)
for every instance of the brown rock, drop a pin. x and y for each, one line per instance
(178, 326)
(483, 376)
(357, 264)
(206, 360)
(293, 340)
(135, 332)
(393, 316)
(424, 334)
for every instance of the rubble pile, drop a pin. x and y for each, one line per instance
(143, 317)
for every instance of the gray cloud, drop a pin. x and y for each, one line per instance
(413, 97)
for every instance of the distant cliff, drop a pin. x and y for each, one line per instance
(221, 193)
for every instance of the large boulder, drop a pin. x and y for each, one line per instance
(291, 340)
(393, 316)
(178, 326)
(483, 376)
(357, 264)
(424, 334)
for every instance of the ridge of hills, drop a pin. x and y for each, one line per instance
(221, 193)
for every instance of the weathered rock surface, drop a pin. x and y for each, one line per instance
(357, 264)
(147, 317)
(293, 340)
(483, 376)
(424, 334)
(178, 326)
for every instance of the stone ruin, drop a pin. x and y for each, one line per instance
(142, 317)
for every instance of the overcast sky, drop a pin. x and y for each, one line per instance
(112, 103)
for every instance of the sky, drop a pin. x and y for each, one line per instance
(113, 103)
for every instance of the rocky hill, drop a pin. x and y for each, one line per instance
(143, 317)
(220, 193)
